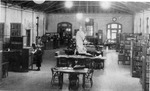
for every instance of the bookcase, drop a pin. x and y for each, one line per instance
(136, 62)
(145, 73)
(16, 43)
(18, 57)
(121, 52)
(126, 47)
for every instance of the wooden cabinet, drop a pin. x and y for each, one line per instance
(26, 59)
(14, 59)
(16, 43)
(144, 79)
(136, 64)
(19, 61)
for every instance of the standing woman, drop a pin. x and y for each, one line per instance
(38, 55)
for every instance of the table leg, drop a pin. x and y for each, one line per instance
(83, 84)
(57, 62)
(61, 80)
(103, 64)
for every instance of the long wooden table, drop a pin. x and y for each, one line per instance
(79, 58)
(70, 70)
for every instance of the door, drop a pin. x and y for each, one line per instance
(28, 36)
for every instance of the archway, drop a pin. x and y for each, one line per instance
(65, 31)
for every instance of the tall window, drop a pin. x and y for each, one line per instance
(15, 29)
(113, 29)
(90, 27)
(1, 31)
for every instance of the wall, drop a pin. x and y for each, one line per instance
(100, 21)
(26, 17)
(143, 15)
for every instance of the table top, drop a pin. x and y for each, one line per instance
(71, 70)
(80, 56)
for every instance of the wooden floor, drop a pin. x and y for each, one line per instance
(114, 77)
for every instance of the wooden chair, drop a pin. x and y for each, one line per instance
(98, 64)
(55, 76)
(73, 81)
(62, 62)
(89, 77)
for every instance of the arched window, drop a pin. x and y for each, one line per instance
(113, 29)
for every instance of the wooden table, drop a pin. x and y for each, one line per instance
(70, 70)
(79, 58)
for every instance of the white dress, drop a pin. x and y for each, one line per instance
(80, 36)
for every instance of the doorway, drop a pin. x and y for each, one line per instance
(28, 35)
(64, 29)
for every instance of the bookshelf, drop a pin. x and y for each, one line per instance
(136, 62)
(128, 48)
(145, 73)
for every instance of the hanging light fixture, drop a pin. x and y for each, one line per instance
(105, 5)
(39, 1)
(68, 4)
(87, 19)
(79, 16)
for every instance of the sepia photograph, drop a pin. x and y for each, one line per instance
(74, 45)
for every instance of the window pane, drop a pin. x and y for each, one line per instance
(108, 34)
(113, 25)
(119, 26)
(113, 36)
(114, 31)
(109, 26)
(119, 31)
(90, 30)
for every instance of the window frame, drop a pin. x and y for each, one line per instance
(109, 27)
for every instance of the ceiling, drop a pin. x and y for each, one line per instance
(80, 6)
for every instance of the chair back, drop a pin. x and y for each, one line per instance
(75, 51)
(90, 73)
(52, 70)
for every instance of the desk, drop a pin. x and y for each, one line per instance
(79, 58)
(69, 70)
